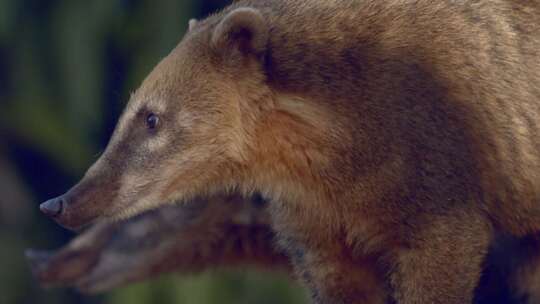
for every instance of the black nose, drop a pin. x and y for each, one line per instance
(52, 207)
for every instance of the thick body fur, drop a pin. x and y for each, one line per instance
(393, 138)
(433, 117)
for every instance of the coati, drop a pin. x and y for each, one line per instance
(392, 138)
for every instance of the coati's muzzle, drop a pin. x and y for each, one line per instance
(81, 205)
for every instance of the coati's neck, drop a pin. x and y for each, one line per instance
(344, 59)
(295, 149)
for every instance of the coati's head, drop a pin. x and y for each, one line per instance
(192, 128)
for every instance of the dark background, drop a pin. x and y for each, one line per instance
(66, 70)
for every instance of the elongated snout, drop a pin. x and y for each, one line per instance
(87, 201)
(76, 208)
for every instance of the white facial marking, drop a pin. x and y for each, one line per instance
(129, 192)
(157, 142)
(130, 184)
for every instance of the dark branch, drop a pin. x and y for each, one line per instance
(205, 234)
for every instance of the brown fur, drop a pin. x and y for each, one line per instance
(393, 137)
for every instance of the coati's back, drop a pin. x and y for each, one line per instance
(455, 84)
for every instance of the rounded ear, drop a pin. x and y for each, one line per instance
(244, 30)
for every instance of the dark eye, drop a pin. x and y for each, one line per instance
(152, 121)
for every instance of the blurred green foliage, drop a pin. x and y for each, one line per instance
(66, 70)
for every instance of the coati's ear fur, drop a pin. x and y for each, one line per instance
(192, 23)
(243, 30)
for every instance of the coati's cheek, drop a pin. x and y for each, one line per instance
(137, 192)
(192, 171)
